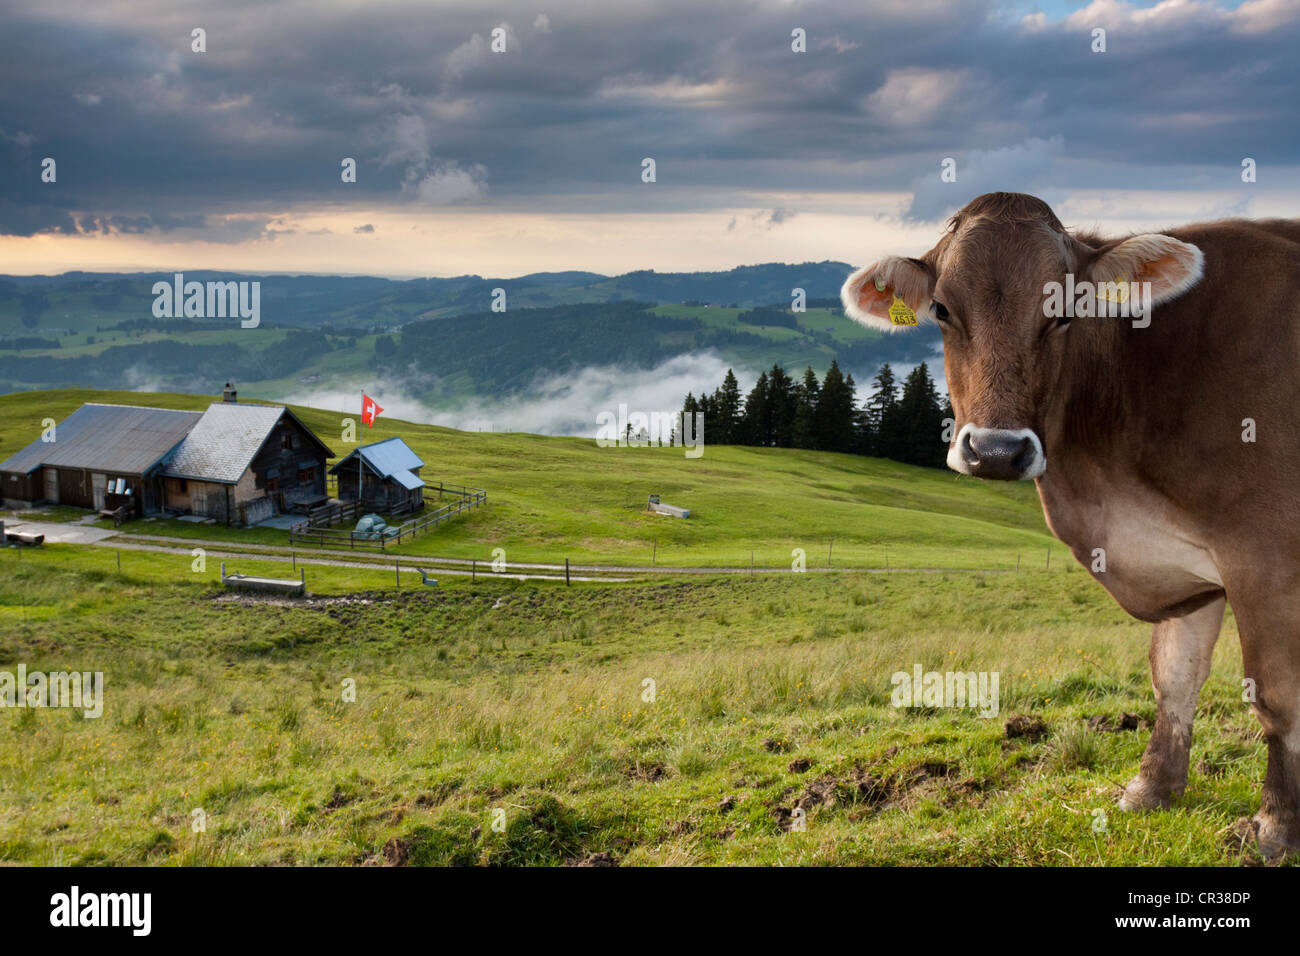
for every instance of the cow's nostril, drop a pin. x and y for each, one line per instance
(968, 453)
(1024, 456)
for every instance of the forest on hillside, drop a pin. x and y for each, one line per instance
(905, 424)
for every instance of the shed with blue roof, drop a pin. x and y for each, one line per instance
(384, 474)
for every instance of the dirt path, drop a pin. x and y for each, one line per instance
(59, 532)
(221, 550)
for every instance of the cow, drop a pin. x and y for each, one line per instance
(1167, 443)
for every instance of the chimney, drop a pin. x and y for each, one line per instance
(228, 394)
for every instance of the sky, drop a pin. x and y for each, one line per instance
(472, 161)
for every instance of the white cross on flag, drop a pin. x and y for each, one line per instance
(370, 410)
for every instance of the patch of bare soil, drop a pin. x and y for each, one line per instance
(862, 788)
(594, 859)
(1110, 724)
(244, 599)
(396, 852)
(1240, 838)
(650, 772)
(1026, 726)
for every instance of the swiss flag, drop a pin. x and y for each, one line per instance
(370, 410)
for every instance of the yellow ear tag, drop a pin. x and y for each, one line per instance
(900, 314)
(1120, 290)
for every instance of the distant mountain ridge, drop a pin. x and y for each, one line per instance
(437, 339)
(311, 300)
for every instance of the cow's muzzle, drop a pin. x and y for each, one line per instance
(1001, 454)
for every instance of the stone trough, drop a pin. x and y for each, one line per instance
(244, 582)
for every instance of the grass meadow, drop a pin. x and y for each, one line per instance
(678, 719)
(509, 723)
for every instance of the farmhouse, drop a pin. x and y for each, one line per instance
(245, 463)
(386, 474)
(235, 462)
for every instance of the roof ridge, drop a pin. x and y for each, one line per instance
(152, 408)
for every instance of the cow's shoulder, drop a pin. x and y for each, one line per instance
(1262, 234)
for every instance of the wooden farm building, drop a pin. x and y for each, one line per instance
(235, 462)
(244, 463)
(386, 474)
(96, 452)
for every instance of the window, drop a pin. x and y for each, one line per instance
(286, 440)
(306, 476)
(272, 484)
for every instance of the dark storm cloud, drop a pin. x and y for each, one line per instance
(150, 136)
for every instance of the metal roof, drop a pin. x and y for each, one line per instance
(222, 445)
(390, 458)
(127, 439)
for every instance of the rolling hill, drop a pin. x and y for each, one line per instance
(552, 498)
(434, 340)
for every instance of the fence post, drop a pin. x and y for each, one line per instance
(119, 562)
(473, 570)
(397, 571)
(655, 553)
(566, 572)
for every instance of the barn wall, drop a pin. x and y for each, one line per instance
(174, 497)
(76, 487)
(288, 460)
(21, 489)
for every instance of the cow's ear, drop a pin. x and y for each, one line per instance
(1170, 265)
(889, 295)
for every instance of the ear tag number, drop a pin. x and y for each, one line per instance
(1120, 291)
(900, 314)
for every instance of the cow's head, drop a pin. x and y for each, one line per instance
(985, 284)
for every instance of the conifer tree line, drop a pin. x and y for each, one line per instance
(905, 424)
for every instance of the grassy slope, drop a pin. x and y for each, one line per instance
(551, 498)
(528, 699)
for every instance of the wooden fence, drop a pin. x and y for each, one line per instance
(317, 528)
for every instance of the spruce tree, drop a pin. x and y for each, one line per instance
(780, 399)
(835, 412)
(921, 419)
(726, 401)
(806, 397)
(881, 414)
(757, 419)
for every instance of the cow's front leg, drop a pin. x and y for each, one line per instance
(1181, 650)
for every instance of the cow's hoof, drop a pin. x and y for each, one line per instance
(1142, 794)
(1276, 841)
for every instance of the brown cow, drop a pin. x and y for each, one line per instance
(1165, 448)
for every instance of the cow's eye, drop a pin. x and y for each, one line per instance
(941, 311)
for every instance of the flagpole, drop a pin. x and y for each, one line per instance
(360, 480)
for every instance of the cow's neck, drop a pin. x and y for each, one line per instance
(1108, 489)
